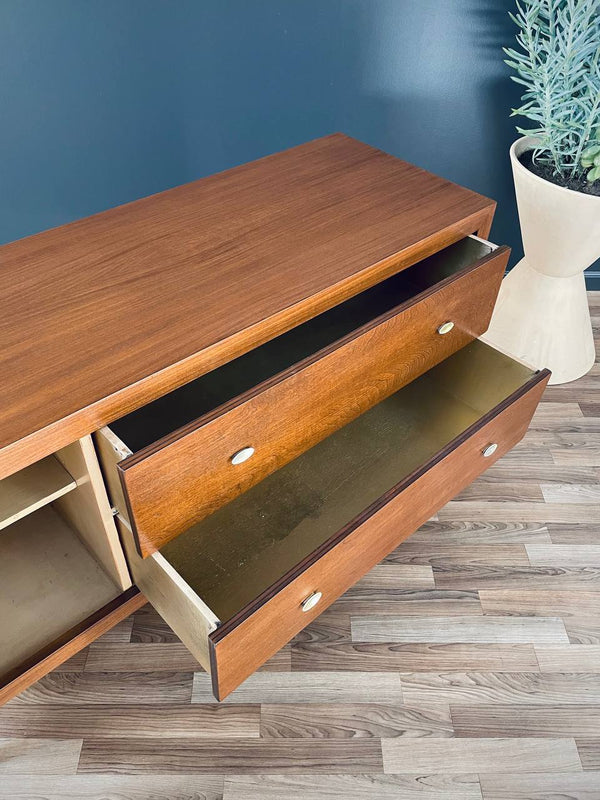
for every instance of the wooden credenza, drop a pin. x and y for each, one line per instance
(232, 399)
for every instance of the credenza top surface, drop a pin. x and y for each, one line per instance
(106, 313)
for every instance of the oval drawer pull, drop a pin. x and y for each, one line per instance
(311, 601)
(489, 450)
(242, 455)
(446, 327)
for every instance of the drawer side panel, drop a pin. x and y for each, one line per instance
(183, 610)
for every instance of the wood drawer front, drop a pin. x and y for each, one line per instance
(187, 475)
(240, 646)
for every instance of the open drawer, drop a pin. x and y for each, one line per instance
(175, 461)
(241, 583)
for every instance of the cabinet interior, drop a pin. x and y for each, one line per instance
(60, 558)
(31, 488)
(50, 583)
(232, 556)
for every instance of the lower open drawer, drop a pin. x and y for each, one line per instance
(241, 583)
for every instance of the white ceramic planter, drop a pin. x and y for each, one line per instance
(542, 314)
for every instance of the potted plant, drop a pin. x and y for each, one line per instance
(542, 314)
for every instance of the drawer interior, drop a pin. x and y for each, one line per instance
(232, 556)
(174, 410)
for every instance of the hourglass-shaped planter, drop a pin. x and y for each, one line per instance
(542, 314)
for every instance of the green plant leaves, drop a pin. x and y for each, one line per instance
(591, 152)
(559, 65)
(591, 156)
(594, 174)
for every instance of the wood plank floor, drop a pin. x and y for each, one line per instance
(466, 666)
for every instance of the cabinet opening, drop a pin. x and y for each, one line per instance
(176, 409)
(49, 583)
(60, 559)
(238, 552)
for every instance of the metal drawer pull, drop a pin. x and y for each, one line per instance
(445, 328)
(311, 601)
(489, 450)
(242, 455)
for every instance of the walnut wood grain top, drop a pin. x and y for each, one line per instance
(106, 313)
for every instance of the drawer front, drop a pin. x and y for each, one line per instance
(242, 644)
(187, 475)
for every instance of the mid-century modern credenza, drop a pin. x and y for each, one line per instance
(233, 398)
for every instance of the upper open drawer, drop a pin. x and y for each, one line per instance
(242, 582)
(178, 459)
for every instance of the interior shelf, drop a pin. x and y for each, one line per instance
(31, 488)
(49, 583)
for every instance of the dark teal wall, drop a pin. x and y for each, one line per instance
(104, 101)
